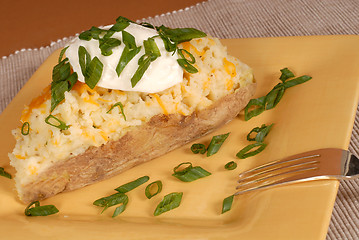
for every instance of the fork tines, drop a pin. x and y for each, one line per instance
(275, 172)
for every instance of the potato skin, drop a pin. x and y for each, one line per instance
(163, 133)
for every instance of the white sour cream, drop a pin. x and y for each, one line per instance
(162, 73)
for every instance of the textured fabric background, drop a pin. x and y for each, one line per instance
(237, 19)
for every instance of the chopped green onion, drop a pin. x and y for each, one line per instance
(244, 153)
(60, 124)
(198, 148)
(71, 80)
(180, 52)
(107, 44)
(258, 106)
(126, 56)
(61, 71)
(147, 25)
(94, 72)
(262, 132)
(111, 200)
(121, 107)
(25, 129)
(189, 173)
(129, 40)
(271, 100)
(227, 204)
(169, 202)
(62, 53)
(120, 209)
(58, 90)
(123, 19)
(230, 165)
(151, 49)
(140, 71)
(149, 189)
(131, 185)
(38, 210)
(84, 60)
(94, 33)
(187, 66)
(274, 96)
(286, 74)
(296, 81)
(216, 144)
(179, 35)
(4, 173)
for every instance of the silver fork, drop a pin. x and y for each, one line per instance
(328, 163)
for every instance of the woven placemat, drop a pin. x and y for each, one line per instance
(237, 19)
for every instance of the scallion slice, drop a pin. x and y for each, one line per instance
(126, 56)
(296, 81)
(149, 191)
(62, 53)
(245, 152)
(60, 124)
(198, 148)
(189, 173)
(230, 165)
(286, 74)
(121, 107)
(262, 132)
(111, 200)
(187, 66)
(191, 60)
(143, 65)
(227, 204)
(169, 202)
(25, 128)
(38, 210)
(84, 60)
(120, 209)
(254, 108)
(4, 173)
(107, 44)
(216, 144)
(131, 185)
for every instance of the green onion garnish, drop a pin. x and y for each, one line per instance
(227, 204)
(244, 153)
(62, 53)
(94, 72)
(38, 210)
(125, 58)
(179, 35)
(84, 60)
(106, 45)
(60, 124)
(111, 200)
(258, 105)
(142, 67)
(187, 66)
(286, 74)
(121, 107)
(131, 185)
(230, 165)
(4, 173)
(216, 144)
(169, 202)
(149, 191)
(191, 60)
(189, 173)
(62, 80)
(254, 108)
(198, 148)
(120, 209)
(25, 129)
(262, 132)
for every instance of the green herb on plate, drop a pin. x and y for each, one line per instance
(4, 173)
(153, 189)
(189, 173)
(227, 204)
(169, 202)
(38, 210)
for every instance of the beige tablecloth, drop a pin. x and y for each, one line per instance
(237, 19)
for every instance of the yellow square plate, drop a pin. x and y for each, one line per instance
(317, 114)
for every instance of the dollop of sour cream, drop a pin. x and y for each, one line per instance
(162, 73)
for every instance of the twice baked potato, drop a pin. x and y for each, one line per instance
(108, 131)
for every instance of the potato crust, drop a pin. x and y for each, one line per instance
(162, 134)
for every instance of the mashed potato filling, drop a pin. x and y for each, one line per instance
(91, 124)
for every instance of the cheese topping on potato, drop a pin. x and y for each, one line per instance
(92, 122)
